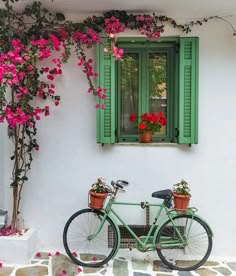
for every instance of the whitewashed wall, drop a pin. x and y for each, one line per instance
(69, 159)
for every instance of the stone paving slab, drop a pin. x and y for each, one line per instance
(223, 270)
(6, 271)
(56, 264)
(232, 266)
(206, 272)
(32, 271)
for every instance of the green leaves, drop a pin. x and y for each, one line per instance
(60, 17)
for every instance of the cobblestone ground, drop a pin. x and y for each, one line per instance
(58, 264)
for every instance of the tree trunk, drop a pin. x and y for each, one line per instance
(15, 188)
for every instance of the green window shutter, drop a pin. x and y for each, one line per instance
(106, 79)
(188, 91)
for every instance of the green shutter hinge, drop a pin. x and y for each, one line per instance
(176, 132)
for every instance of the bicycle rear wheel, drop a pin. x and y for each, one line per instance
(81, 246)
(189, 253)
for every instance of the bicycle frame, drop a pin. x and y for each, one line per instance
(170, 214)
(109, 209)
(143, 243)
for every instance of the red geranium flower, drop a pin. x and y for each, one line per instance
(149, 122)
(132, 117)
(142, 126)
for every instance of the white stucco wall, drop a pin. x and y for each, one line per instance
(69, 160)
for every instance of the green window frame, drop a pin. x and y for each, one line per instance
(182, 83)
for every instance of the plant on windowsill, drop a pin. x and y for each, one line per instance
(181, 194)
(98, 193)
(148, 125)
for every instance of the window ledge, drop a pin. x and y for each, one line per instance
(147, 144)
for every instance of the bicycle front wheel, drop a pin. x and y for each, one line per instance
(184, 243)
(88, 242)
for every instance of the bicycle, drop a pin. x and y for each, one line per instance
(183, 240)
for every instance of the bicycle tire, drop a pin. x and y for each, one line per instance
(89, 253)
(184, 258)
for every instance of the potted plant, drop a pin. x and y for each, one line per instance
(148, 124)
(98, 193)
(181, 194)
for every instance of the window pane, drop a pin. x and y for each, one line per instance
(158, 85)
(128, 91)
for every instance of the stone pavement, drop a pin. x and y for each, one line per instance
(58, 264)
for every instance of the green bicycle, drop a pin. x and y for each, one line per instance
(183, 240)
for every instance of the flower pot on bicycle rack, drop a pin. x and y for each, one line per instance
(96, 200)
(181, 202)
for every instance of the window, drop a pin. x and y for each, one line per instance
(151, 77)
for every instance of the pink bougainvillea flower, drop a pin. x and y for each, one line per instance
(75, 254)
(1, 119)
(63, 55)
(57, 253)
(56, 103)
(37, 148)
(38, 254)
(50, 91)
(30, 67)
(63, 33)
(102, 106)
(111, 36)
(50, 77)
(0, 265)
(21, 75)
(63, 272)
(94, 259)
(97, 105)
(49, 254)
(46, 69)
(79, 270)
(105, 50)
(117, 52)
(113, 26)
(81, 62)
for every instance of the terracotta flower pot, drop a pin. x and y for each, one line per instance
(96, 200)
(145, 137)
(181, 202)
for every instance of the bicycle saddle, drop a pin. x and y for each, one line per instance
(164, 194)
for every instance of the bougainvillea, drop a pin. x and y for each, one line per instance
(25, 85)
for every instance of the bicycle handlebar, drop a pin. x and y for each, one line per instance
(119, 184)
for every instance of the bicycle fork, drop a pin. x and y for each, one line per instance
(99, 228)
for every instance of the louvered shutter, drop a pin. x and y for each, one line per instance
(106, 79)
(188, 91)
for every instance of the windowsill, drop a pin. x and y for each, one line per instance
(147, 144)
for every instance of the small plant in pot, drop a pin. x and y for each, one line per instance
(98, 193)
(148, 124)
(181, 194)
